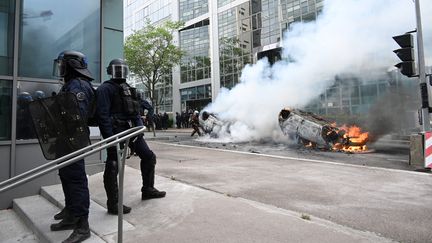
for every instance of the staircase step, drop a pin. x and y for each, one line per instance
(102, 223)
(12, 228)
(37, 213)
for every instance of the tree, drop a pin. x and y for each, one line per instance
(151, 54)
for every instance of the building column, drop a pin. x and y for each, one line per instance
(214, 48)
(176, 105)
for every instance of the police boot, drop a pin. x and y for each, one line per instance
(67, 223)
(81, 232)
(62, 214)
(148, 173)
(111, 188)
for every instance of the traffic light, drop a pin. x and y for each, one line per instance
(406, 54)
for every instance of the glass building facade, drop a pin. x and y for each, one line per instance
(32, 34)
(224, 2)
(138, 13)
(190, 9)
(194, 41)
(248, 27)
(235, 43)
(299, 10)
(195, 97)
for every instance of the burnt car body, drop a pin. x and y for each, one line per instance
(211, 124)
(307, 127)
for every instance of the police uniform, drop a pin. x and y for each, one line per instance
(118, 109)
(72, 67)
(73, 177)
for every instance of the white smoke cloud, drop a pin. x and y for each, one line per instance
(350, 36)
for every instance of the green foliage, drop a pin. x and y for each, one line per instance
(151, 54)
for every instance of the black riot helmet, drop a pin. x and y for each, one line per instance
(71, 60)
(118, 69)
(23, 99)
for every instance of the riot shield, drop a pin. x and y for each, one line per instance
(59, 126)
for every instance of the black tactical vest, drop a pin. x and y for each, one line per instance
(125, 102)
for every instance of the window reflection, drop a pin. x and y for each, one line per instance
(195, 98)
(190, 9)
(5, 109)
(235, 48)
(50, 26)
(6, 36)
(224, 2)
(28, 92)
(195, 65)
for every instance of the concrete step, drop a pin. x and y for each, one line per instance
(13, 229)
(37, 213)
(101, 223)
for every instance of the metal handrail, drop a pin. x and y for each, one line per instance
(70, 159)
(64, 157)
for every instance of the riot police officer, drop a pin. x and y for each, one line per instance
(24, 128)
(72, 67)
(118, 109)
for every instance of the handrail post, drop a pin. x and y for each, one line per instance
(66, 160)
(121, 168)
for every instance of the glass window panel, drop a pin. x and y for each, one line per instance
(5, 109)
(183, 94)
(6, 36)
(368, 93)
(200, 92)
(27, 92)
(208, 91)
(382, 88)
(200, 74)
(49, 27)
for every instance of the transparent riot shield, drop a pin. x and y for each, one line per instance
(59, 126)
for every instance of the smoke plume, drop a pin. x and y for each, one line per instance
(349, 36)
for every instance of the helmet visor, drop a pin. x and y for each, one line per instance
(59, 68)
(119, 71)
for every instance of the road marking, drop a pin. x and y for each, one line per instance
(398, 160)
(293, 158)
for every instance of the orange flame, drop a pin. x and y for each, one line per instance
(356, 139)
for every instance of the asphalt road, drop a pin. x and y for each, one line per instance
(375, 192)
(385, 153)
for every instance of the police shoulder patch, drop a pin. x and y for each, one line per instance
(80, 96)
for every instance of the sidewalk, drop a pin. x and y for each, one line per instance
(191, 214)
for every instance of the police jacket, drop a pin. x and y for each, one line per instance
(109, 108)
(83, 92)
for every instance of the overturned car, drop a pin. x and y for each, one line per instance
(210, 123)
(313, 130)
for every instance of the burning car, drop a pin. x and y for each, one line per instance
(210, 123)
(313, 130)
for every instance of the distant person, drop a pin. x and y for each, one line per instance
(178, 120)
(165, 119)
(24, 129)
(185, 119)
(194, 121)
(118, 109)
(158, 121)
